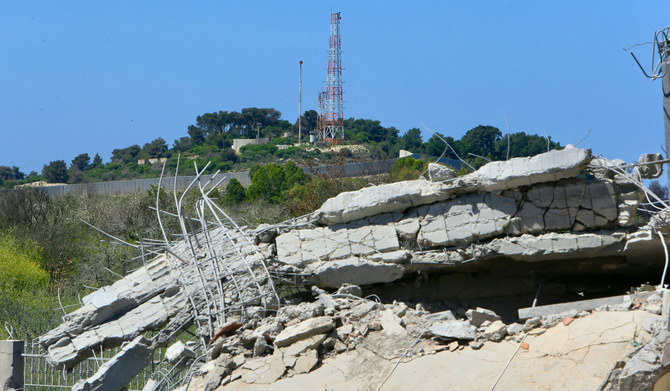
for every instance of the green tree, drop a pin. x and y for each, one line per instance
(182, 144)
(234, 192)
(126, 155)
(480, 141)
(97, 162)
(8, 173)
(411, 140)
(81, 162)
(154, 149)
(55, 172)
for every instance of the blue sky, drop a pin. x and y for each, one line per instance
(84, 76)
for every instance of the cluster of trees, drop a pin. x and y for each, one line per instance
(210, 139)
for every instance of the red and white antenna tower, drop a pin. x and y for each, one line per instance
(333, 121)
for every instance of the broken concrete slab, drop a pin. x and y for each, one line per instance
(581, 305)
(545, 167)
(458, 329)
(480, 315)
(304, 330)
(120, 369)
(306, 362)
(370, 201)
(354, 271)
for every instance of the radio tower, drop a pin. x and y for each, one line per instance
(333, 122)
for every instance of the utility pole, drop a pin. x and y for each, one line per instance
(300, 103)
(664, 50)
(661, 70)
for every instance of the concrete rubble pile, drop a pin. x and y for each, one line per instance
(556, 207)
(311, 336)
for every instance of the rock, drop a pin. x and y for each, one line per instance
(480, 315)
(340, 346)
(304, 330)
(532, 323)
(496, 331)
(399, 308)
(477, 345)
(344, 331)
(514, 329)
(177, 352)
(300, 347)
(260, 347)
(302, 311)
(363, 308)
(440, 316)
(390, 324)
(324, 298)
(349, 289)
(461, 330)
(439, 173)
(306, 362)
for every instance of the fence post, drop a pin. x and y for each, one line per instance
(11, 365)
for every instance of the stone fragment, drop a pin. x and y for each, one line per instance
(438, 173)
(390, 323)
(496, 331)
(514, 329)
(399, 308)
(458, 329)
(532, 323)
(300, 347)
(306, 362)
(304, 330)
(349, 289)
(302, 311)
(363, 308)
(260, 346)
(344, 331)
(480, 315)
(440, 316)
(177, 352)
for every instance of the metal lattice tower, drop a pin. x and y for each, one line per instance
(333, 121)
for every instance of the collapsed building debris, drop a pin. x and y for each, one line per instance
(551, 209)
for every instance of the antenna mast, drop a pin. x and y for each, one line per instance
(300, 104)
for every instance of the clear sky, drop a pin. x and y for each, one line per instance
(91, 76)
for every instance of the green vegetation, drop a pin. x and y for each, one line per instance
(210, 139)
